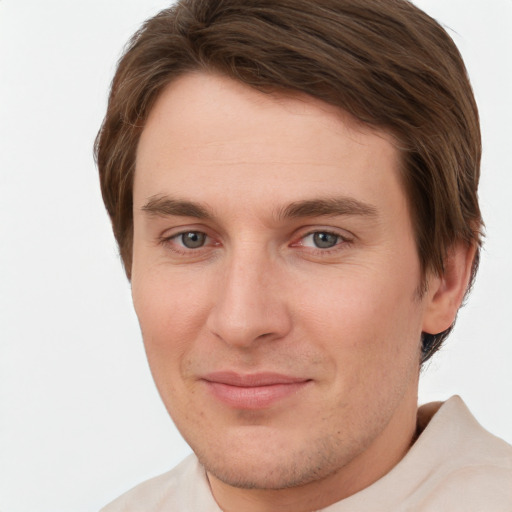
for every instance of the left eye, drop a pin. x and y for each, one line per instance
(321, 240)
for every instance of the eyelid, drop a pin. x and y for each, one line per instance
(177, 230)
(336, 235)
(345, 240)
(179, 237)
(168, 239)
(343, 234)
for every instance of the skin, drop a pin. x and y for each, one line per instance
(254, 293)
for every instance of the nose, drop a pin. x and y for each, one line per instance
(250, 300)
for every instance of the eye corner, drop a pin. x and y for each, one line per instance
(187, 242)
(322, 242)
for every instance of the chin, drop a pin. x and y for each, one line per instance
(274, 476)
(274, 465)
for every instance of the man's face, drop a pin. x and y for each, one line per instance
(275, 279)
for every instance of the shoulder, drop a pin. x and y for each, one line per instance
(458, 433)
(183, 488)
(454, 466)
(468, 468)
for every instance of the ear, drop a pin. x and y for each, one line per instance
(446, 292)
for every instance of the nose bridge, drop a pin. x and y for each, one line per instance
(250, 303)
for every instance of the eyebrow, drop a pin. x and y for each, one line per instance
(330, 207)
(166, 206)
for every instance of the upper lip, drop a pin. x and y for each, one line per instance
(232, 378)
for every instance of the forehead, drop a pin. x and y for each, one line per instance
(208, 134)
(195, 102)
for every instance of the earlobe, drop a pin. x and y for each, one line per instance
(446, 292)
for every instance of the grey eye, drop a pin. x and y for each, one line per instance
(193, 239)
(325, 240)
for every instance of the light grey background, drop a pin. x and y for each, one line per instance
(80, 420)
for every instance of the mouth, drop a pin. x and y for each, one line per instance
(253, 391)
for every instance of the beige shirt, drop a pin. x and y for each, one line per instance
(454, 466)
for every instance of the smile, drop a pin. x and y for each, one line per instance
(255, 391)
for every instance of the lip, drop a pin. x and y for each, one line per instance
(253, 391)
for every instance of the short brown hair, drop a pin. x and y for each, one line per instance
(387, 63)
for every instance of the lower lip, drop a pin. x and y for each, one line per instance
(254, 397)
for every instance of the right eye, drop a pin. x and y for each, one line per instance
(322, 240)
(190, 239)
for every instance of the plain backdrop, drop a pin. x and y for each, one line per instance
(80, 419)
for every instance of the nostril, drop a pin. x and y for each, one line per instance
(265, 335)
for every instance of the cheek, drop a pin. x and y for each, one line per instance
(170, 318)
(364, 318)
(170, 314)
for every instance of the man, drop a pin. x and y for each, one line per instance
(293, 187)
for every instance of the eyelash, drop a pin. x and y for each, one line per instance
(327, 251)
(167, 241)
